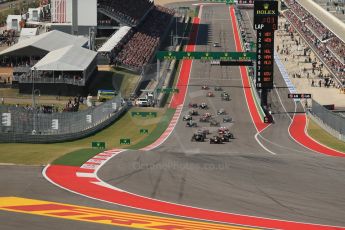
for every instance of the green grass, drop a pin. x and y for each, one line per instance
(42, 154)
(157, 132)
(127, 79)
(117, 79)
(324, 137)
(77, 158)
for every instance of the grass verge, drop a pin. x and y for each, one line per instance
(77, 158)
(111, 78)
(322, 136)
(128, 79)
(157, 132)
(41, 154)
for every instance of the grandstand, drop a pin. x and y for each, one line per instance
(134, 48)
(130, 12)
(323, 34)
(336, 7)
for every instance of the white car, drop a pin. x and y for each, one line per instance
(216, 44)
(142, 102)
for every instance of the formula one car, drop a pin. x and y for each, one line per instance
(193, 105)
(210, 94)
(218, 88)
(187, 117)
(227, 119)
(193, 112)
(191, 123)
(225, 138)
(214, 122)
(203, 106)
(216, 140)
(204, 119)
(204, 131)
(221, 112)
(207, 115)
(198, 137)
(225, 96)
(223, 130)
(228, 134)
(224, 93)
(205, 87)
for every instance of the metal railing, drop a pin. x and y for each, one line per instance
(20, 124)
(71, 81)
(329, 120)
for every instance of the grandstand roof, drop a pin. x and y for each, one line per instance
(70, 58)
(115, 39)
(49, 41)
(330, 21)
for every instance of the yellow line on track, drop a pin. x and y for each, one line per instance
(103, 216)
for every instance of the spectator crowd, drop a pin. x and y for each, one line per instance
(149, 24)
(331, 51)
(131, 11)
(320, 30)
(337, 47)
(72, 105)
(140, 48)
(8, 37)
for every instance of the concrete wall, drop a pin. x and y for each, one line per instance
(87, 12)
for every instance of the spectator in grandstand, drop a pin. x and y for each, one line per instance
(131, 11)
(322, 49)
(141, 46)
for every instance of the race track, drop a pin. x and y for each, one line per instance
(287, 182)
(266, 174)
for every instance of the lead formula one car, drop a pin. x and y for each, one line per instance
(198, 137)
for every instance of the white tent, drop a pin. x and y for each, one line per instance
(49, 41)
(70, 58)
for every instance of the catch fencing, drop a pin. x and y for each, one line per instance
(28, 125)
(331, 121)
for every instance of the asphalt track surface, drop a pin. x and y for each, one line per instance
(287, 182)
(241, 177)
(28, 182)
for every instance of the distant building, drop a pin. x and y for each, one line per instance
(63, 14)
(13, 22)
(34, 14)
(55, 62)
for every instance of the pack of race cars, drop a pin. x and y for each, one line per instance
(223, 135)
(200, 112)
